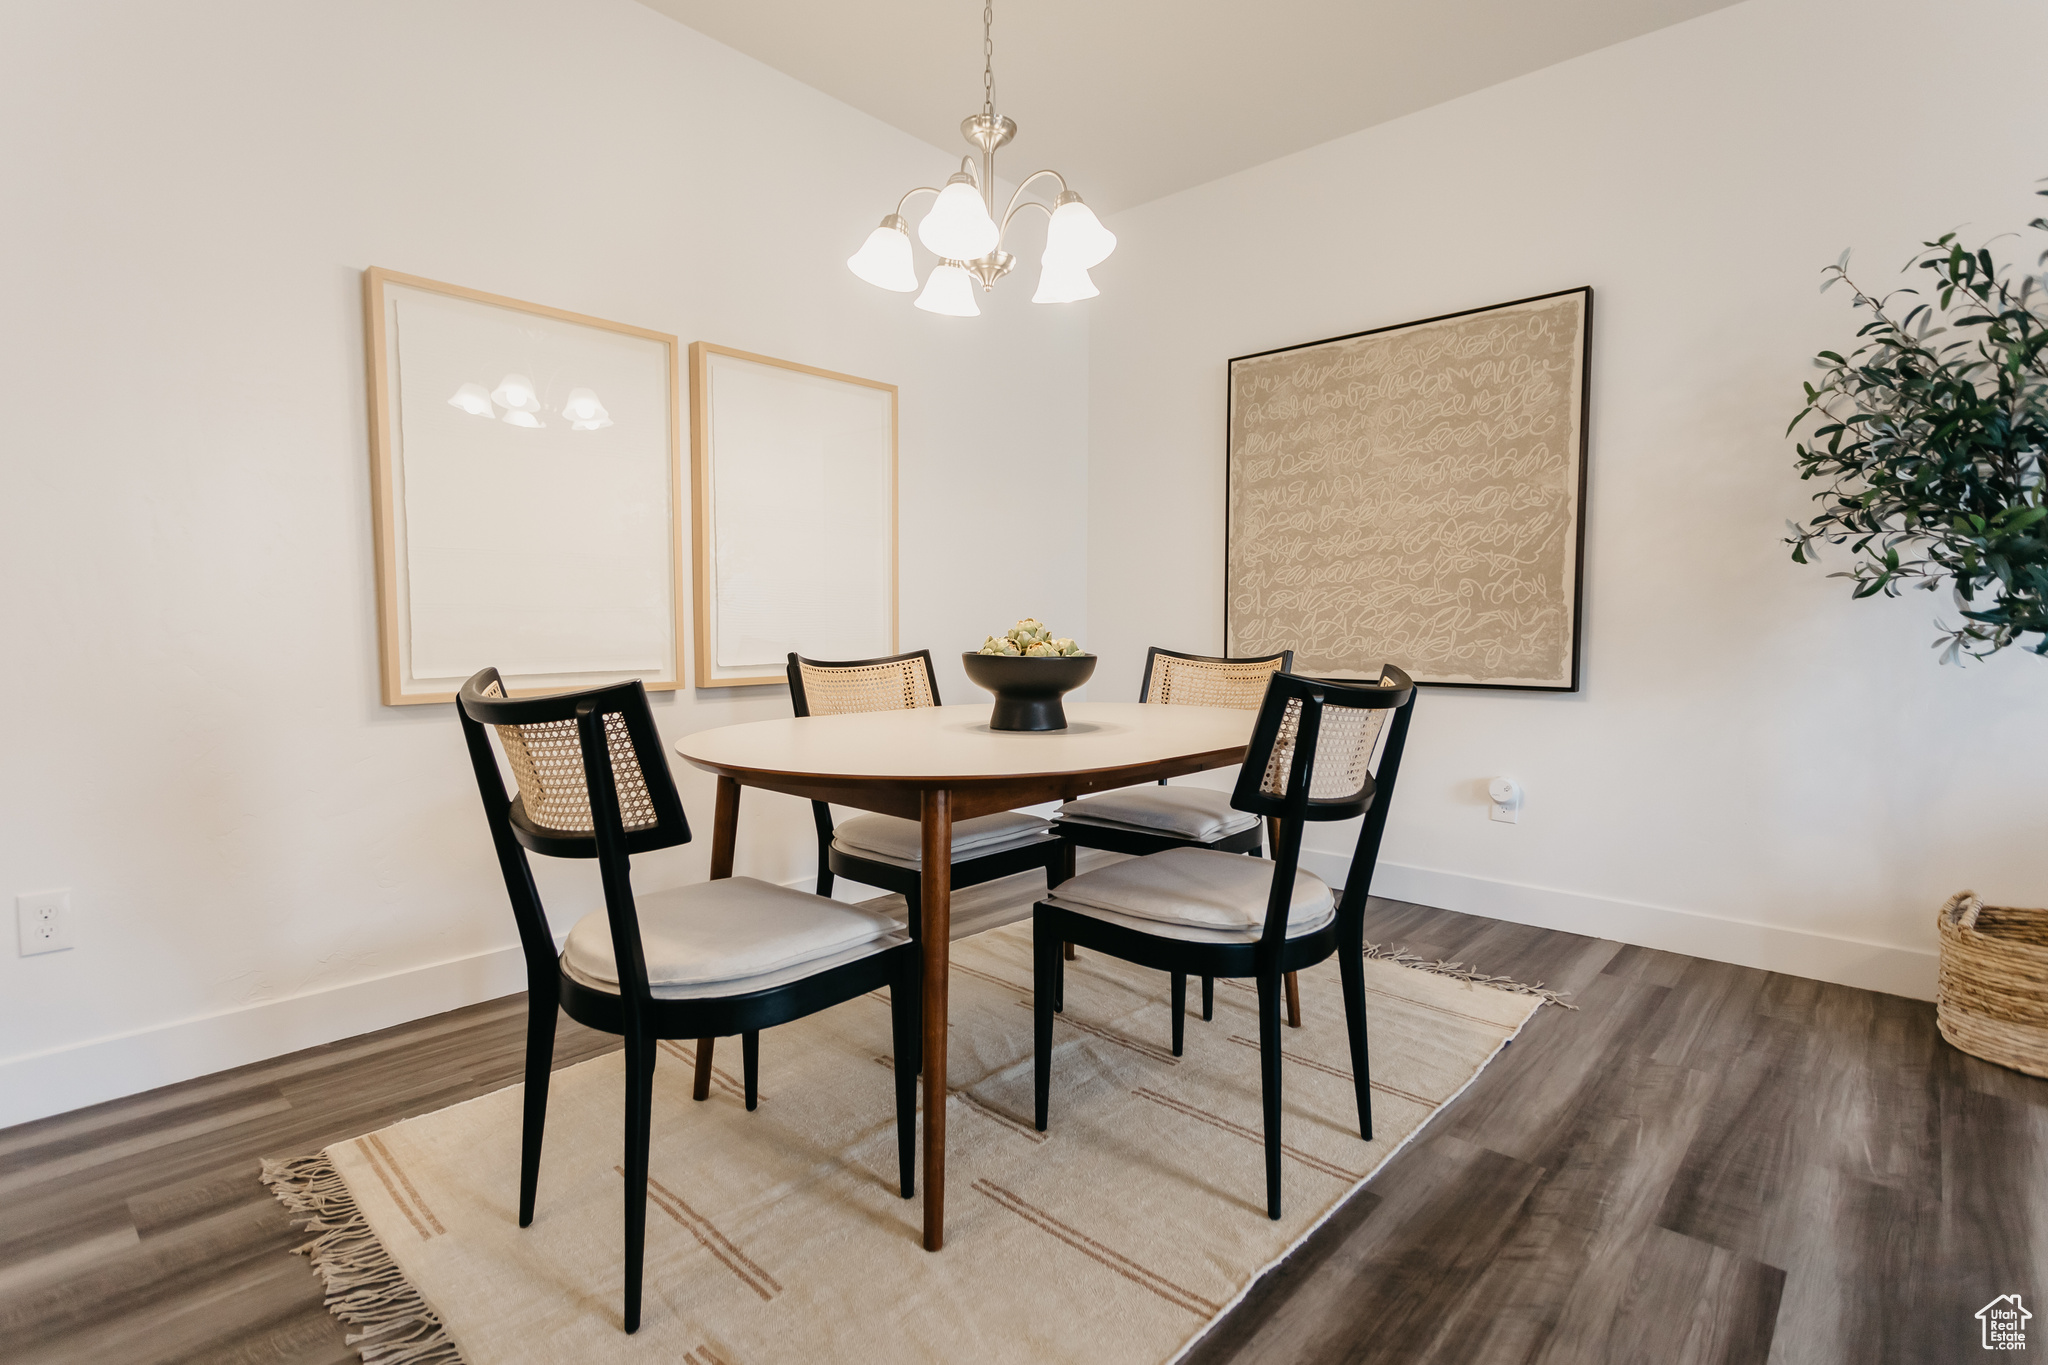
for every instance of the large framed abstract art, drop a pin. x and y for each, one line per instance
(527, 484)
(1415, 495)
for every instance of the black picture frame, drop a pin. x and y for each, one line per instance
(1578, 561)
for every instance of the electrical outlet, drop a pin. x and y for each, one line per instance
(45, 920)
(1505, 796)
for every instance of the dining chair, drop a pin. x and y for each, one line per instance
(1204, 911)
(887, 851)
(735, 955)
(1141, 820)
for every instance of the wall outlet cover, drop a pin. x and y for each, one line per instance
(44, 918)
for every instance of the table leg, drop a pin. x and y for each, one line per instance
(725, 830)
(935, 895)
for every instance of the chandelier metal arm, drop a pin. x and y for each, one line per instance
(921, 189)
(1011, 211)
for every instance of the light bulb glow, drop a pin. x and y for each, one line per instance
(583, 406)
(884, 259)
(1077, 237)
(1062, 282)
(958, 227)
(515, 391)
(950, 292)
(472, 399)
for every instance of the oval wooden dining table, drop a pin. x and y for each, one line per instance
(939, 764)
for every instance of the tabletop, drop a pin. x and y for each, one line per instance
(941, 744)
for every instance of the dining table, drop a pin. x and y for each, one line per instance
(938, 765)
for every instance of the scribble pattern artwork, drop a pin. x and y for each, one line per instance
(1412, 496)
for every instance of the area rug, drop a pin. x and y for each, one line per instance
(1119, 1235)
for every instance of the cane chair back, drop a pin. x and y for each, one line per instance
(1343, 752)
(1311, 755)
(1174, 679)
(901, 682)
(544, 748)
(547, 763)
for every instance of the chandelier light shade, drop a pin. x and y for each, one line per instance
(1077, 236)
(884, 259)
(959, 227)
(1062, 281)
(949, 291)
(962, 229)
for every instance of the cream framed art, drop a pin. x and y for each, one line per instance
(526, 476)
(794, 515)
(1415, 495)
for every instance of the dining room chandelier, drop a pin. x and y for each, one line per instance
(961, 228)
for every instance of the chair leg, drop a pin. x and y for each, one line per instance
(540, 1056)
(1269, 1084)
(906, 1023)
(1351, 965)
(1180, 1010)
(824, 873)
(1208, 998)
(701, 1089)
(1059, 978)
(1293, 1002)
(1068, 952)
(750, 1059)
(639, 1114)
(1045, 976)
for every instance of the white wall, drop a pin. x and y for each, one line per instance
(260, 856)
(1757, 769)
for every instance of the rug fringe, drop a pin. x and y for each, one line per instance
(365, 1287)
(1401, 957)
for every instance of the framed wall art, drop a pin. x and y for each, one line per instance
(1415, 495)
(795, 515)
(527, 478)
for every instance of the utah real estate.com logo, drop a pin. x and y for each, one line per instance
(2005, 1323)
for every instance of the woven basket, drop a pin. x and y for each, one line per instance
(1992, 999)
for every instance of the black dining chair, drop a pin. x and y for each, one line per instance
(887, 851)
(704, 961)
(1193, 910)
(1141, 820)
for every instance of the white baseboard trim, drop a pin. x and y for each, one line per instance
(1797, 952)
(62, 1079)
(39, 1084)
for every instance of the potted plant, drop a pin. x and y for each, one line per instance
(1932, 446)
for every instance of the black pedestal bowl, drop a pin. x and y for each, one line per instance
(1028, 690)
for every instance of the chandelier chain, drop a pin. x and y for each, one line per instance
(988, 57)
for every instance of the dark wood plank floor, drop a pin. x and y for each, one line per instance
(1702, 1163)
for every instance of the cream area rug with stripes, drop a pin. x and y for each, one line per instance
(1120, 1234)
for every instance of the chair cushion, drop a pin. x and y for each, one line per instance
(726, 931)
(1201, 888)
(902, 841)
(1297, 925)
(1197, 813)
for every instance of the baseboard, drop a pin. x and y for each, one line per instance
(62, 1079)
(1822, 957)
(74, 1076)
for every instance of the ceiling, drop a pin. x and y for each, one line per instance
(1135, 99)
